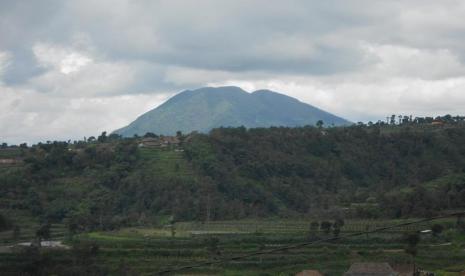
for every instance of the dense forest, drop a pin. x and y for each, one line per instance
(361, 171)
(356, 171)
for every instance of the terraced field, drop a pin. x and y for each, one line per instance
(10, 153)
(298, 226)
(27, 228)
(166, 162)
(146, 251)
(150, 250)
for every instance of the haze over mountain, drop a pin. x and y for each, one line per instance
(206, 108)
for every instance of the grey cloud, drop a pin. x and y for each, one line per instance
(343, 55)
(22, 67)
(235, 36)
(224, 36)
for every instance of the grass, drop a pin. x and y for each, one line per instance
(10, 153)
(28, 226)
(147, 250)
(297, 226)
(166, 162)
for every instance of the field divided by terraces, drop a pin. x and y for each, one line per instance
(166, 162)
(297, 226)
(28, 226)
(148, 250)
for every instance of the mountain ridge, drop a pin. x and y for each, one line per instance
(229, 106)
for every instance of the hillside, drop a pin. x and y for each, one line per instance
(362, 171)
(129, 195)
(207, 108)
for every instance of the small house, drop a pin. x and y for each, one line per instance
(171, 140)
(437, 123)
(309, 273)
(161, 142)
(370, 269)
(150, 142)
(8, 161)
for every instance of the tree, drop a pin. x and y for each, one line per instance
(172, 227)
(114, 137)
(85, 252)
(339, 222)
(319, 123)
(124, 269)
(437, 229)
(43, 232)
(313, 228)
(150, 135)
(412, 240)
(336, 230)
(34, 202)
(326, 227)
(4, 145)
(460, 223)
(4, 223)
(393, 119)
(103, 137)
(16, 232)
(212, 246)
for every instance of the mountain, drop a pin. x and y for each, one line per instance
(206, 108)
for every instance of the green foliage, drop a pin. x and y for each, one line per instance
(412, 240)
(43, 233)
(437, 229)
(211, 244)
(236, 173)
(325, 226)
(5, 223)
(374, 171)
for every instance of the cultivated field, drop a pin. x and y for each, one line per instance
(148, 250)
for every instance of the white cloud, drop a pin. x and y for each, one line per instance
(65, 60)
(75, 74)
(73, 63)
(360, 101)
(30, 116)
(100, 78)
(402, 61)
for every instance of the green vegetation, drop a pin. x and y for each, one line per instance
(145, 251)
(359, 171)
(126, 207)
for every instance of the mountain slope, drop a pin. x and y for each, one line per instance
(207, 108)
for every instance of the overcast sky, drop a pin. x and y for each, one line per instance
(70, 69)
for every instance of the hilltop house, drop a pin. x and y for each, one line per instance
(8, 161)
(149, 142)
(437, 123)
(160, 142)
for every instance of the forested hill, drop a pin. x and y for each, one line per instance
(357, 171)
(210, 107)
(370, 171)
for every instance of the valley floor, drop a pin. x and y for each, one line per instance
(147, 250)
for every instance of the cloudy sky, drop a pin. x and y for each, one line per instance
(70, 69)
